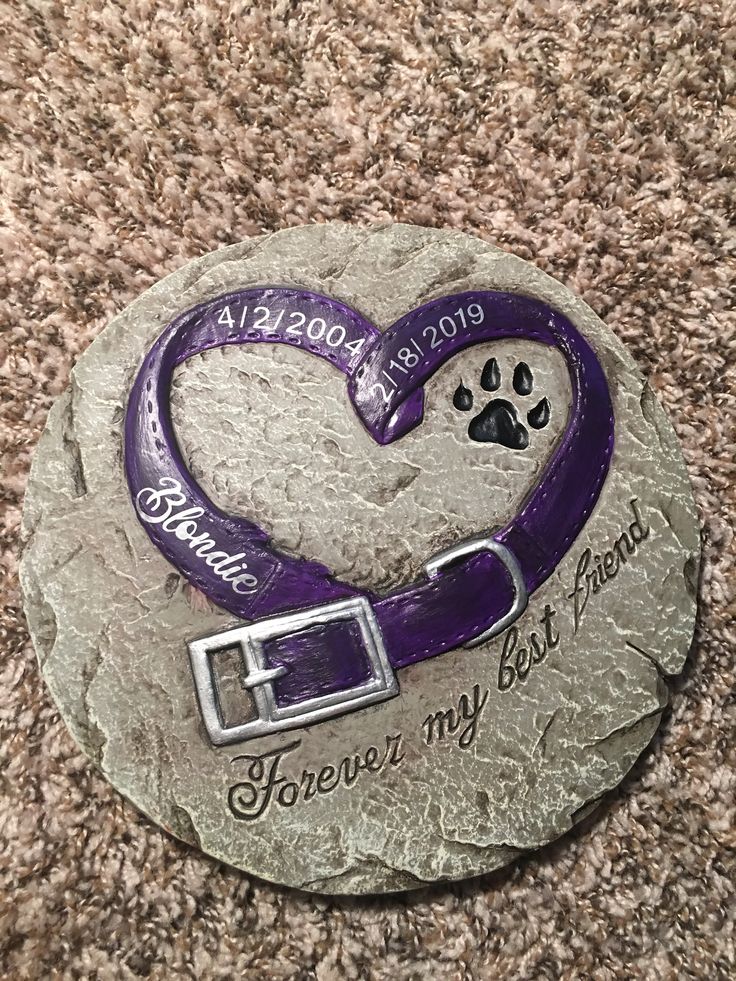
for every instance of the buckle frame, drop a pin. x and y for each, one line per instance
(259, 678)
(486, 544)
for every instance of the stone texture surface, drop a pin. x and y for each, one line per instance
(268, 434)
(595, 140)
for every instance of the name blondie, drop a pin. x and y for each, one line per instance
(165, 506)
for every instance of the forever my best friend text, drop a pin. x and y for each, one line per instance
(262, 783)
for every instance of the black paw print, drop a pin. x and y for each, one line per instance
(498, 421)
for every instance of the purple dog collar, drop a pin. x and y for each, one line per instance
(315, 647)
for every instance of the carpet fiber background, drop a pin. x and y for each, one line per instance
(594, 139)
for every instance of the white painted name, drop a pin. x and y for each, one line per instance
(166, 506)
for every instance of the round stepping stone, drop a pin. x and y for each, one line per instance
(371, 570)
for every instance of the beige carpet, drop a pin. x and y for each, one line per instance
(595, 139)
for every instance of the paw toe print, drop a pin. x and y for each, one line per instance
(498, 421)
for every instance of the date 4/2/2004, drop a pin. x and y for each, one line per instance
(293, 326)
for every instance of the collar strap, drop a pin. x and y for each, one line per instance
(317, 647)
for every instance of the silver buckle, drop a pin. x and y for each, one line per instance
(507, 557)
(251, 639)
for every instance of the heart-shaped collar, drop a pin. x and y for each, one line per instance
(319, 647)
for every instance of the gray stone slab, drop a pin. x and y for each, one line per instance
(269, 434)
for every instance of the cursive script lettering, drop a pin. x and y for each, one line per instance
(165, 507)
(447, 722)
(594, 571)
(263, 785)
(518, 657)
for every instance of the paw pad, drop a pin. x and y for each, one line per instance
(498, 421)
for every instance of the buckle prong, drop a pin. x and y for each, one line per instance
(254, 678)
